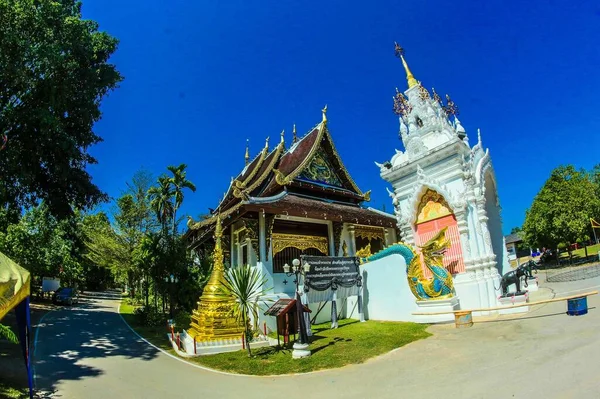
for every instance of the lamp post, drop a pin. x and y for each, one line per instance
(301, 345)
(173, 280)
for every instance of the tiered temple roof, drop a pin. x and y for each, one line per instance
(306, 180)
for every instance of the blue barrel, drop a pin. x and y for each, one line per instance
(577, 306)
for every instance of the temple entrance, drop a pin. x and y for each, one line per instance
(434, 213)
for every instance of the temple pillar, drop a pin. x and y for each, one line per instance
(352, 243)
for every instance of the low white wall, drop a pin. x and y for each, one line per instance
(386, 294)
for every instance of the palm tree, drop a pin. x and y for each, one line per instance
(246, 285)
(161, 200)
(179, 182)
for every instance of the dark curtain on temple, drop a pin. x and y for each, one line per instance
(288, 254)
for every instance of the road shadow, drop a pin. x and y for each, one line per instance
(70, 337)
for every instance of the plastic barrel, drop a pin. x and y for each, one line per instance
(463, 319)
(577, 306)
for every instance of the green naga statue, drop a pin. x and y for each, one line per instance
(440, 285)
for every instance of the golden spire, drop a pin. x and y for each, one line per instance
(267, 143)
(324, 110)
(247, 156)
(409, 76)
(282, 133)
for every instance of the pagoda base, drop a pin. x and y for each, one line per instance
(214, 346)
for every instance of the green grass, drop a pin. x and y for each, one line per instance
(7, 391)
(156, 335)
(353, 342)
(592, 250)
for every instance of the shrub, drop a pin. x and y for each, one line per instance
(182, 320)
(149, 316)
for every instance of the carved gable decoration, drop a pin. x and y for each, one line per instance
(432, 206)
(321, 170)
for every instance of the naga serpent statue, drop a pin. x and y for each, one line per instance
(440, 285)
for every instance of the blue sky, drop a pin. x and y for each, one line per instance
(202, 77)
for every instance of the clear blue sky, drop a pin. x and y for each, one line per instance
(201, 77)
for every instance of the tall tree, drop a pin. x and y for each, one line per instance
(179, 182)
(161, 201)
(561, 211)
(54, 72)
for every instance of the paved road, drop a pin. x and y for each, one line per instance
(88, 352)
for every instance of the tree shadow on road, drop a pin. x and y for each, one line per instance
(70, 337)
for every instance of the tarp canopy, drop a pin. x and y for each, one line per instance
(14, 284)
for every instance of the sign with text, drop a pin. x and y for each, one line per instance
(327, 272)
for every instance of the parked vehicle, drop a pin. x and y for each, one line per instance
(65, 296)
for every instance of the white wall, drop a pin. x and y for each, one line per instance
(386, 294)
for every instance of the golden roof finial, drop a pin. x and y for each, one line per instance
(282, 133)
(409, 76)
(247, 156)
(324, 110)
(267, 143)
(294, 138)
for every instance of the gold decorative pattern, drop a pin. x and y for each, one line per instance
(246, 192)
(341, 164)
(320, 170)
(364, 252)
(344, 248)
(302, 242)
(241, 184)
(284, 180)
(367, 196)
(369, 232)
(432, 206)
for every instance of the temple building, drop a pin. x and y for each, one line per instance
(440, 180)
(291, 201)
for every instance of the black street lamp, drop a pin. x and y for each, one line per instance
(301, 345)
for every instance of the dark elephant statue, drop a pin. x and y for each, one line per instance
(513, 277)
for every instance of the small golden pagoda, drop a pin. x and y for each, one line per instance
(214, 320)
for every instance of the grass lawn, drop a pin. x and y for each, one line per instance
(353, 342)
(156, 335)
(592, 250)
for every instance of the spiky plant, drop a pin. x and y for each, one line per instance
(8, 334)
(247, 286)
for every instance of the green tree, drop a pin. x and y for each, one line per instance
(561, 211)
(161, 201)
(179, 182)
(54, 72)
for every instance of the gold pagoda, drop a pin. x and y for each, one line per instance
(214, 318)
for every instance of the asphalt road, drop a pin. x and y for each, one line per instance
(88, 352)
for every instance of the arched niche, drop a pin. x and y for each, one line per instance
(494, 222)
(433, 214)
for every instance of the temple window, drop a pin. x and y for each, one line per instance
(368, 235)
(418, 121)
(245, 254)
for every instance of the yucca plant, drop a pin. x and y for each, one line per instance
(247, 286)
(8, 334)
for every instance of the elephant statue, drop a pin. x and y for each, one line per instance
(513, 277)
